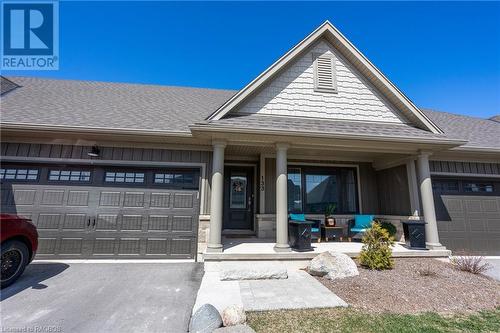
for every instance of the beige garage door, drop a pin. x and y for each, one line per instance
(468, 213)
(106, 212)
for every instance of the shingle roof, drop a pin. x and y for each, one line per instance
(322, 126)
(108, 105)
(6, 85)
(174, 109)
(480, 133)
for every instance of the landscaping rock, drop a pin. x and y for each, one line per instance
(332, 265)
(235, 329)
(233, 315)
(254, 272)
(205, 319)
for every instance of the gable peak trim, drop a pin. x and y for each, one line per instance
(335, 37)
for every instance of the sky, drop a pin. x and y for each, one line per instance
(442, 55)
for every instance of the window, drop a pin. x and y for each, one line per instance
(445, 186)
(19, 174)
(179, 178)
(478, 187)
(238, 191)
(294, 190)
(324, 73)
(124, 177)
(311, 190)
(69, 175)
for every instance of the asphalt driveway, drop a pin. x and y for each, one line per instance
(102, 297)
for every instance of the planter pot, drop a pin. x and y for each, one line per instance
(330, 221)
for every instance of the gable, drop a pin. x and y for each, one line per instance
(328, 32)
(293, 92)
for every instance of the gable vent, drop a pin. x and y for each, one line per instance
(324, 73)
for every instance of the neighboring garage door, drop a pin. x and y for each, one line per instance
(468, 213)
(106, 212)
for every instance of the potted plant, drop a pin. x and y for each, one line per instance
(329, 211)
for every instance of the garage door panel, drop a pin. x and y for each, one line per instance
(157, 246)
(158, 223)
(53, 197)
(48, 221)
(75, 222)
(110, 198)
(134, 199)
(494, 225)
(131, 223)
(104, 246)
(490, 206)
(47, 246)
(78, 198)
(182, 223)
(184, 200)
(181, 246)
(129, 246)
(106, 222)
(71, 246)
(160, 200)
(477, 225)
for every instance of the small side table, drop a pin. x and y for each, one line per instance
(332, 232)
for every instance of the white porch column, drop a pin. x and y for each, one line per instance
(431, 230)
(216, 199)
(281, 198)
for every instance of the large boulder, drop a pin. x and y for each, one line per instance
(235, 329)
(253, 272)
(333, 265)
(233, 315)
(205, 319)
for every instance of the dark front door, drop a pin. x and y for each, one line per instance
(238, 197)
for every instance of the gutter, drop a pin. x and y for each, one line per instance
(282, 132)
(93, 130)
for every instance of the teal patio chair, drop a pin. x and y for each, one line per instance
(359, 225)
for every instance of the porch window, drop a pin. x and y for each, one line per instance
(294, 190)
(312, 189)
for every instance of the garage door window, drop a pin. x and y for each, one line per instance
(445, 186)
(124, 177)
(69, 175)
(18, 174)
(180, 179)
(478, 187)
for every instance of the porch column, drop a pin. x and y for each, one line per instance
(431, 231)
(216, 199)
(281, 199)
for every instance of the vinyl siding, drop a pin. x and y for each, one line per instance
(465, 167)
(393, 191)
(291, 93)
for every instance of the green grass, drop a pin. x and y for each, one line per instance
(349, 320)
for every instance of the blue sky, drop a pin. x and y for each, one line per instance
(443, 55)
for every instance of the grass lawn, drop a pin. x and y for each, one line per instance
(350, 320)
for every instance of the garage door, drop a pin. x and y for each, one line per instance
(106, 212)
(468, 213)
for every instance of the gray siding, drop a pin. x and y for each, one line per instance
(393, 191)
(12, 149)
(270, 186)
(465, 167)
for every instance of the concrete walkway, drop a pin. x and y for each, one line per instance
(299, 291)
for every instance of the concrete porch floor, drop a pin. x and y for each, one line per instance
(262, 249)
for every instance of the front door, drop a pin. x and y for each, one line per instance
(238, 197)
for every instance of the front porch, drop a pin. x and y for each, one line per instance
(263, 249)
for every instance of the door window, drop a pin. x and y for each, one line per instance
(238, 191)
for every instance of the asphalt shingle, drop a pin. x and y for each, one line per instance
(173, 109)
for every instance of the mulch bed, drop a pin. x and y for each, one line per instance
(405, 290)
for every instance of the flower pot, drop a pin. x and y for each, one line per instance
(330, 221)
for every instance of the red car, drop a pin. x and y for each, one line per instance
(19, 240)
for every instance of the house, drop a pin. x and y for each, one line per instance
(111, 170)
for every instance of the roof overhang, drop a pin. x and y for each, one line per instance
(372, 73)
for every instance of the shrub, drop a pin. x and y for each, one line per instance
(376, 252)
(472, 264)
(391, 228)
